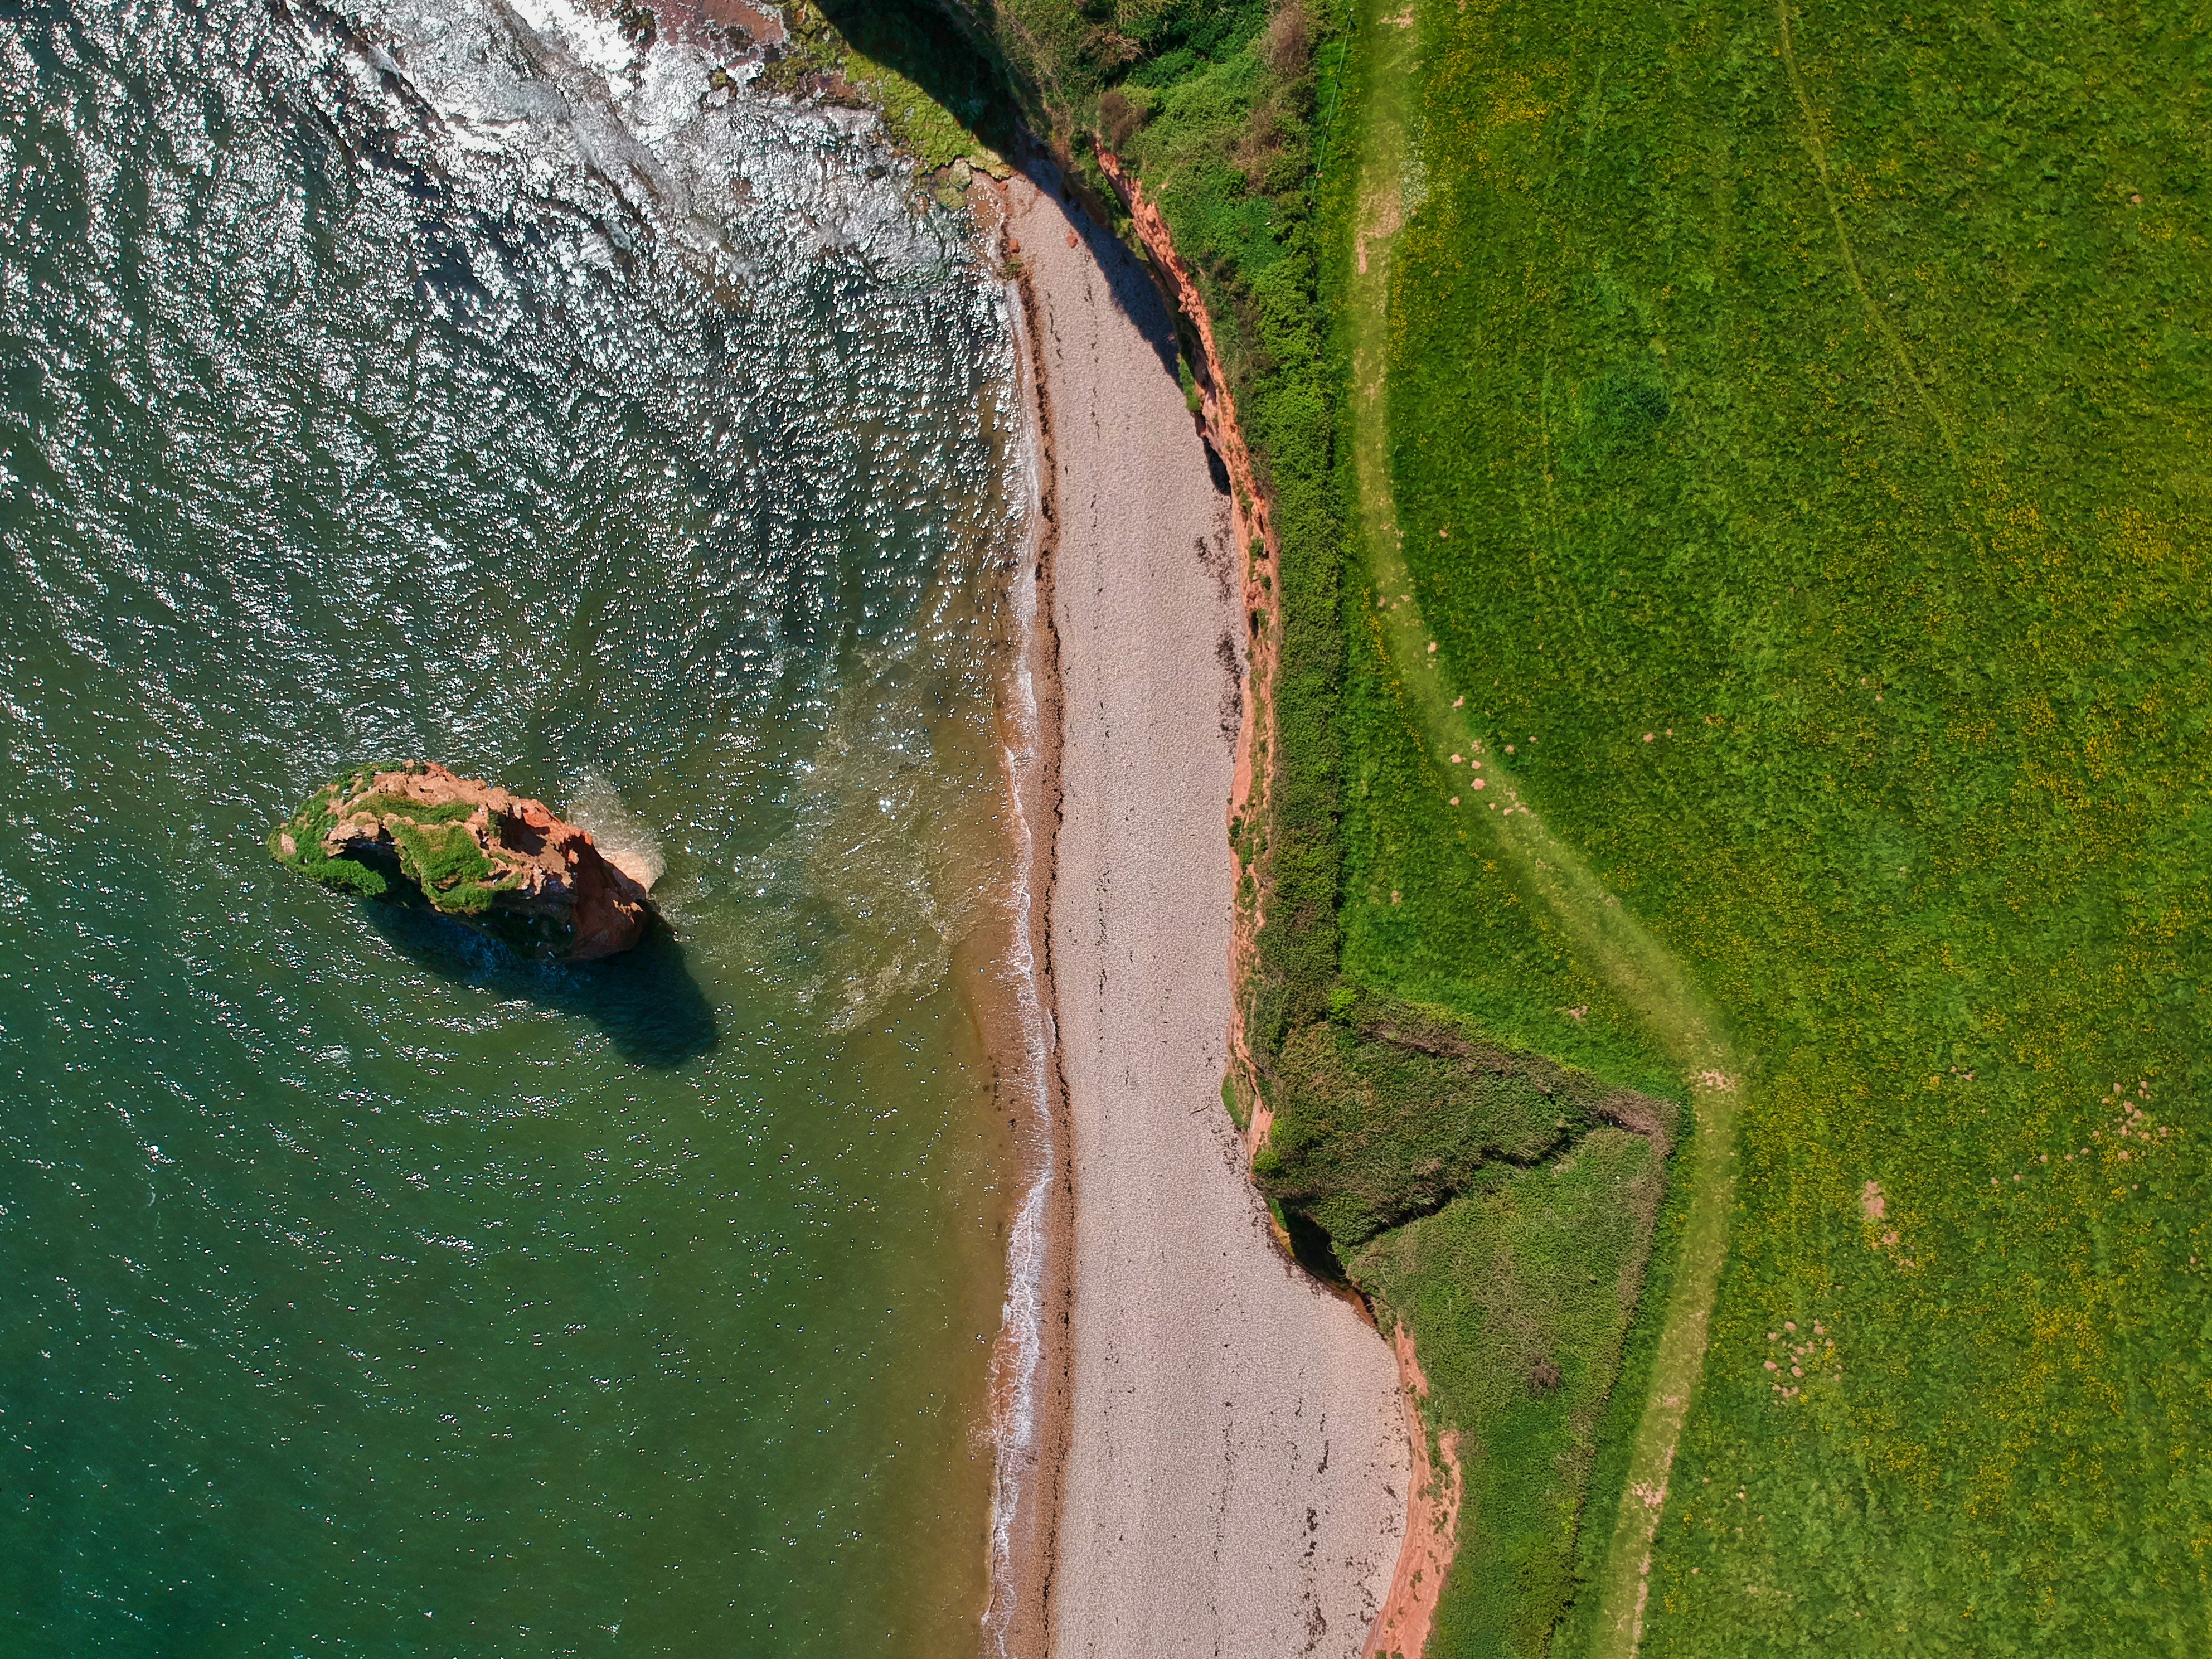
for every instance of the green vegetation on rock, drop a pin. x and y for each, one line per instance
(433, 858)
(444, 860)
(417, 833)
(297, 843)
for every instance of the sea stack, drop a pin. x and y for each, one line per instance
(416, 832)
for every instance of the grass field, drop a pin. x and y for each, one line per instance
(1796, 431)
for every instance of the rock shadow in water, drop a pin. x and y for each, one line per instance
(645, 999)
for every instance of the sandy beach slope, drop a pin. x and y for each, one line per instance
(1236, 1460)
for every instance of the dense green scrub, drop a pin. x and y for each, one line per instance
(1796, 433)
(1385, 1114)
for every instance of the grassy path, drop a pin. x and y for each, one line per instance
(1816, 148)
(1604, 935)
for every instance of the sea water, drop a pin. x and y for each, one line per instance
(476, 383)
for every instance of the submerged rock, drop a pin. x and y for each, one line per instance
(499, 862)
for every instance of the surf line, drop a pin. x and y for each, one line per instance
(1024, 1427)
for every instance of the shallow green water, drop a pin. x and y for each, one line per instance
(370, 1293)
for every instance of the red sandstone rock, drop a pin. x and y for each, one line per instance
(535, 881)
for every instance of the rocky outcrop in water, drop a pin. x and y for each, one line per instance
(499, 862)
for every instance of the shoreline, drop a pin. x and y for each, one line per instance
(1029, 1368)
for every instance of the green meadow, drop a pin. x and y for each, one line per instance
(1795, 430)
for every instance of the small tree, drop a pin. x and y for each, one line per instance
(1118, 117)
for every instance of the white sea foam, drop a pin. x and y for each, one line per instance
(625, 840)
(559, 88)
(1018, 1357)
(597, 42)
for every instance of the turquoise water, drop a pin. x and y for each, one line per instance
(414, 384)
